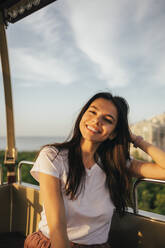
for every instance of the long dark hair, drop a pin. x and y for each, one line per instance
(113, 156)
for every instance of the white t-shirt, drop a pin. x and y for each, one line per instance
(89, 216)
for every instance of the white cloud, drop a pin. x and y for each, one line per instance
(95, 32)
(122, 37)
(46, 58)
(44, 26)
(117, 42)
(39, 68)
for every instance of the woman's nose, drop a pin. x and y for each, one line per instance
(97, 120)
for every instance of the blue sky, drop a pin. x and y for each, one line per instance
(63, 54)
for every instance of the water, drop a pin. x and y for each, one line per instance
(31, 143)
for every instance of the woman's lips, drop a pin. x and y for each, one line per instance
(93, 129)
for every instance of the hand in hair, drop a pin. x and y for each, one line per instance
(136, 139)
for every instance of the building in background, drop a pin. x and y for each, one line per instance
(153, 131)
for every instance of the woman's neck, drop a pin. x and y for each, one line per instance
(88, 150)
(88, 147)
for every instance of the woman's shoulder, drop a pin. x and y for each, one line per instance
(49, 161)
(53, 152)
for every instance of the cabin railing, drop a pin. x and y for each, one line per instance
(135, 191)
(19, 176)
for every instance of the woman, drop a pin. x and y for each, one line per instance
(83, 180)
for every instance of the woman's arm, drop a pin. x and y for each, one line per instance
(55, 211)
(140, 168)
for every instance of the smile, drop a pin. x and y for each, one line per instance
(92, 129)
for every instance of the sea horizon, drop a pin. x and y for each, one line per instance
(31, 143)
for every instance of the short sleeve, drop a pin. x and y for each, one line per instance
(49, 162)
(128, 163)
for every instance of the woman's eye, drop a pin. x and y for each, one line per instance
(108, 120)
(92, 112)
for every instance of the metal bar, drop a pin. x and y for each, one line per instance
(134, 191)
(19, 169)
(1, 174)
(10, 155)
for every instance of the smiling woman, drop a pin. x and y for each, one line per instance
(101, 119)
(65, 57)
(84, 179)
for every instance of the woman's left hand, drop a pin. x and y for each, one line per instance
(136, 139)
(148, 169)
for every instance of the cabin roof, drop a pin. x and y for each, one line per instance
(15, 10)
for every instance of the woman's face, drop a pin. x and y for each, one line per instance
(99, 121)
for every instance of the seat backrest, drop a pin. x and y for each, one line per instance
(26, 208)
(137, 231)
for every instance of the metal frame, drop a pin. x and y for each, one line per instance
(15, 10)
(10, 154)
(135, 194)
